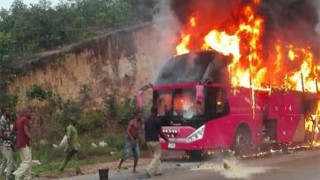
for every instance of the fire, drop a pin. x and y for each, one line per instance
(282, 64)
(222, 42)
(182, 47)
(192, 21)
(292, 64)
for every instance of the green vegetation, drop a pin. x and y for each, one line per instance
(126, 110)
(85, 89)
(26, 30)
(123, 110)
(29, 29)
(91, 128)
(90, 122)
(51, 157)
(36, 92)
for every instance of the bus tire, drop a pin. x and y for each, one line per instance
(242, 141)
(195, 154)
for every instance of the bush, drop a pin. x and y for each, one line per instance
(10, 101)
(60, 119)
(36, 92)
(57, 127)
(127, 110)
(85, 89)
(115, 141)
(91, 121)
(111, 106)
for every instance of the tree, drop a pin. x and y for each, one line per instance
(28, 29)
(6, 46)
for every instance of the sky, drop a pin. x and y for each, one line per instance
(7, 3)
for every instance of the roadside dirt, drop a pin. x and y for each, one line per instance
(94, 168)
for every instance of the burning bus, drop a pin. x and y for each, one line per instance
(202, 111)
(248, 79)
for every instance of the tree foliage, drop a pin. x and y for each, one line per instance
(28, 29)
(36, 92)
(126, 110)
(33, 28)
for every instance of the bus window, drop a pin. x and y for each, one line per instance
(217, 103)
(221, 102)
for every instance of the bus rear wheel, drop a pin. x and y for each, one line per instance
(242, 142)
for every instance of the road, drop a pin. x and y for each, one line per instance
(284, 166)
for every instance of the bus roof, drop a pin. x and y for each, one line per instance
(192, 67)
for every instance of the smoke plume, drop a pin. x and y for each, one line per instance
(316, 4)
(166, 28)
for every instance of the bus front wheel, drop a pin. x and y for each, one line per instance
(195, 154)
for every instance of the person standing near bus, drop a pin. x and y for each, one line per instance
(131, 141)
(153, 130)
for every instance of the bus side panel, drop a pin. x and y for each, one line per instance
(220, 133)
(289, 129)
(300, 132)
(291, 126)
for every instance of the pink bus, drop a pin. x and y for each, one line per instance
(202, 112)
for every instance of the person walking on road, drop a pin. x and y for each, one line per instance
(6, 143)
(131, 141)
(153, 130)
(24, 140)
(72, 146)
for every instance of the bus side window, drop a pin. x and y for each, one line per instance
(221, 102)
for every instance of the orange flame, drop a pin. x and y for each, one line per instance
(182, 47)
(292, 65)
(192, 21)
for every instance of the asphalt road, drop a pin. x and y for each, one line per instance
(302, 165)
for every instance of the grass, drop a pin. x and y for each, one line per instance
(51, 158)
(53, 166)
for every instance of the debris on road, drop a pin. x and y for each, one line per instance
(233, 169)
(226, 164)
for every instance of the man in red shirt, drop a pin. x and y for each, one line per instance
(24, 139)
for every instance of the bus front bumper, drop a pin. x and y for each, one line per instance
(181, 144)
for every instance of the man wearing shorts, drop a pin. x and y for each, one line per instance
(131, 141)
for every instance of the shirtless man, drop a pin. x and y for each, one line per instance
(131, 141)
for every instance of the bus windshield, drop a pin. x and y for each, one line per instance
(180, 102)
(185, 105)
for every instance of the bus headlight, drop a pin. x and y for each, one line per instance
(198, 134)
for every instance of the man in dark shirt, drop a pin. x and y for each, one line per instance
(152, 132)
(5, 143)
